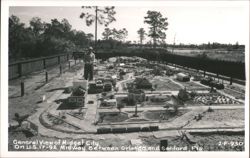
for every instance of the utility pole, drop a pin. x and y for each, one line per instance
(96, 10)
(173, 44)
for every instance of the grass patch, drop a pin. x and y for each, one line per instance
(110, 117)
(164, 115)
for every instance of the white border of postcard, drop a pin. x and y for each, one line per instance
(4, 78)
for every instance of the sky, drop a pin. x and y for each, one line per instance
(188, 24)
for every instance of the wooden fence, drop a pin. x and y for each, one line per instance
(232, 71)
(19, 69)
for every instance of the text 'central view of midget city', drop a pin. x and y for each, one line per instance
(115, 78)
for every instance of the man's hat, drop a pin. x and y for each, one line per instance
(90, 48)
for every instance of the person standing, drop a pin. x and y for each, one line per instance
(89, 59)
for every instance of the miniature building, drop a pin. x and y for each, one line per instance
(99, 85)
(108, 79)
(142, 83)
(77, 97)
(136, 95)
(94, 88)
(107, 86)
(109, 102)
(183, 77)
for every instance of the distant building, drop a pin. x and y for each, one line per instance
(182, 77)
(136, 95)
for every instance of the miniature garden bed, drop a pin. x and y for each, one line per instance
(236, 88)
(163, 84)
(124, 102)
(237, 94)
(224, 115)
(110, 117)
(213, 99)
(150, 101)
(164, 115)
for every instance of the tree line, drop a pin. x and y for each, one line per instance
(44, 39)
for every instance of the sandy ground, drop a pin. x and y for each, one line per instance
(35, 90)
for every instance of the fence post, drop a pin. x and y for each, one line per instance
(20, 69)
(44, 63)
(67, 57)
(204, 73)
(59, 60)
(231, 80)
(69, 64)
(22, 87)
(75, 61)
(60, 68)
(46, 76)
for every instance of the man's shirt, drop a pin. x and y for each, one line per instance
(89, 58)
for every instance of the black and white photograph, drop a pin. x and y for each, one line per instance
(143, 77)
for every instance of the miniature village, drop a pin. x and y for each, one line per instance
(139, 97)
